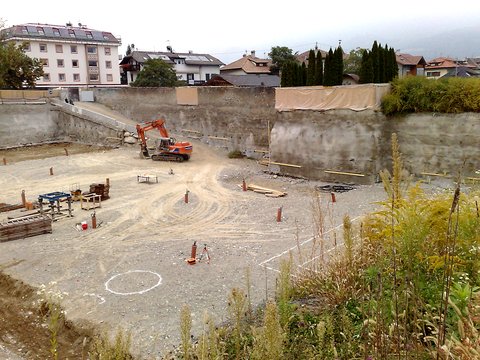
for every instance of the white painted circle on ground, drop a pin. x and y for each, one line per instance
(107, 284)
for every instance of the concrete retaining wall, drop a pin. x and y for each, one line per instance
(33, 124)
(27, 124)
(239, 118)
(234, 118)
(339, 140)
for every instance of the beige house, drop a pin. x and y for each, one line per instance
(72, 56)
(442, 66)
(413, 65)
(248, 64)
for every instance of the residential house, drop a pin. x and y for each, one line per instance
(475, 62)
(71, 56)
(413, 65)
(248, 64)
(303, 57)
(193, 68)
(247, 80)
(350, 79)
(442, 66)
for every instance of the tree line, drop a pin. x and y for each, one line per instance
(377, 65)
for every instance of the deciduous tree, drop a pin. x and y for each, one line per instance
(156, 73)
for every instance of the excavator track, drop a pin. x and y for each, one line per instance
(167, 157)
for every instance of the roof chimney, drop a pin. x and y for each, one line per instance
(252, 53)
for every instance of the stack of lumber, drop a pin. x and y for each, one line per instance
(8, 207)
(268, 192)
(25, 227)
(100, 189)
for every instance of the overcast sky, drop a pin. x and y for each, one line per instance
(227, 29)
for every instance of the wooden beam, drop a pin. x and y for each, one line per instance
(344, 173)
(192, 131)
(433, 174)
(219, 138)
(283, 164)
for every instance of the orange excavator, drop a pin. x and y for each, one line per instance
(166, 148)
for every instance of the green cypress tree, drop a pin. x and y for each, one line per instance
(319, 69)
(381, 64)
(366, 68)
(394, 65)
(328, 76)
(375, 62)
(338, 65)
(311, 68)
(388, 65)
(304, 74)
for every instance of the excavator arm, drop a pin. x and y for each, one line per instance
(150, 125)
(169, 148)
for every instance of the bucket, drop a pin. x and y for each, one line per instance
(84, 225)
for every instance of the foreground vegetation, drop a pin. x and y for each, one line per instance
(404, 285)
(418, 94)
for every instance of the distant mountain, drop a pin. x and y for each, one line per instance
(426, 40)
(457, 43)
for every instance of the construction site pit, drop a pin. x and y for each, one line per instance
(131, 271)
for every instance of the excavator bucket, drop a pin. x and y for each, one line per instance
(144, 154)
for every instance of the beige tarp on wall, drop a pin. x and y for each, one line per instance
(321, 98)
(187, 95)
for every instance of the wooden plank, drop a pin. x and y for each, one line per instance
(278, 163)
(219, 138)
(343, 173)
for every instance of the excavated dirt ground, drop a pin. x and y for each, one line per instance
(131, 272)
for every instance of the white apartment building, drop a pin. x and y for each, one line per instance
(71, 56)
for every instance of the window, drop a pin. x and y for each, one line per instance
(109, 77)
(61, 77)
(24, 30)
(46, 77)
(108, 64)
(74, 63)
(73, 49)
(89, 34)
(92, 49)
(60, 63)
(190, 76)
(93, 77)
(108, 51)
(28, 47)
(44, 62)
(433, 73)
(40, 30)
(180, 61)
(43, 47)
(71, 33)
(59, 48)
(105, 36)
(93, 63)
(56, 32)
(76, 77)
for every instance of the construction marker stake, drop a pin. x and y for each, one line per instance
(193, 255)
(186, 197)
(51, 171)
(279, 214)
(4, 161)
(244, 185)
(94, 220)
(333, 197)
(66, 151)
(24, 199)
